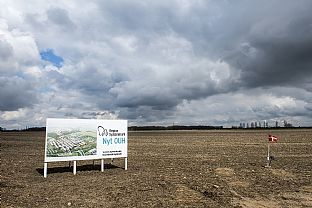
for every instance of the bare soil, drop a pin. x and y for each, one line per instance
(222, 168)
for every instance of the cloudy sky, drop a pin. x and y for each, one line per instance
(209, 62)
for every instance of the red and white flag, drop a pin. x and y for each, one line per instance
(272, 138)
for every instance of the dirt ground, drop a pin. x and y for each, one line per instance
(165, 169)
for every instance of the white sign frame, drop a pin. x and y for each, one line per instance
(85, 139)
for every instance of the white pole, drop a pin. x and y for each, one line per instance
(75, 167)
(126, 163)
(102, 165)
(45, 170)
(268, 157)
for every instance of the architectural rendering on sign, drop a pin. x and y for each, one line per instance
(83, 139)
(71, 143)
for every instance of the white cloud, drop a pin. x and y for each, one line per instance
(243, 106)
(13, 115)
(126, 43)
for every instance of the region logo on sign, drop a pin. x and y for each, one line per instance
(102, 131)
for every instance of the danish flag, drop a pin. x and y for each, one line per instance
(272, 138)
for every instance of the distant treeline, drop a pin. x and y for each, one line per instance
(175, 127)
(136, 128)
(26, 129)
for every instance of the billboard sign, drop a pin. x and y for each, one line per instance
(85, 139)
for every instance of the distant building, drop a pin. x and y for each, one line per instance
(287, 125)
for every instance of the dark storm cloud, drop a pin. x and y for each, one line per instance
(140, 16)
(143, 114)
(165, 95)
(309, 108)
(15, 93)
(87, 80)
(285, 59)
(266, 43)
(60, 17)
(273, 47)
(6, 50)
(7, 65)
(157, 101)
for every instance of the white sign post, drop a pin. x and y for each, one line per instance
(85, 139)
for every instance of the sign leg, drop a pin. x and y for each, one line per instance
(126, 163)
(45, 170)
(102, 165)
(75, 167)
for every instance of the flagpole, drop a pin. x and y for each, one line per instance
(268, 157)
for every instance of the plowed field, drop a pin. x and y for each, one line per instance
(165, 169)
